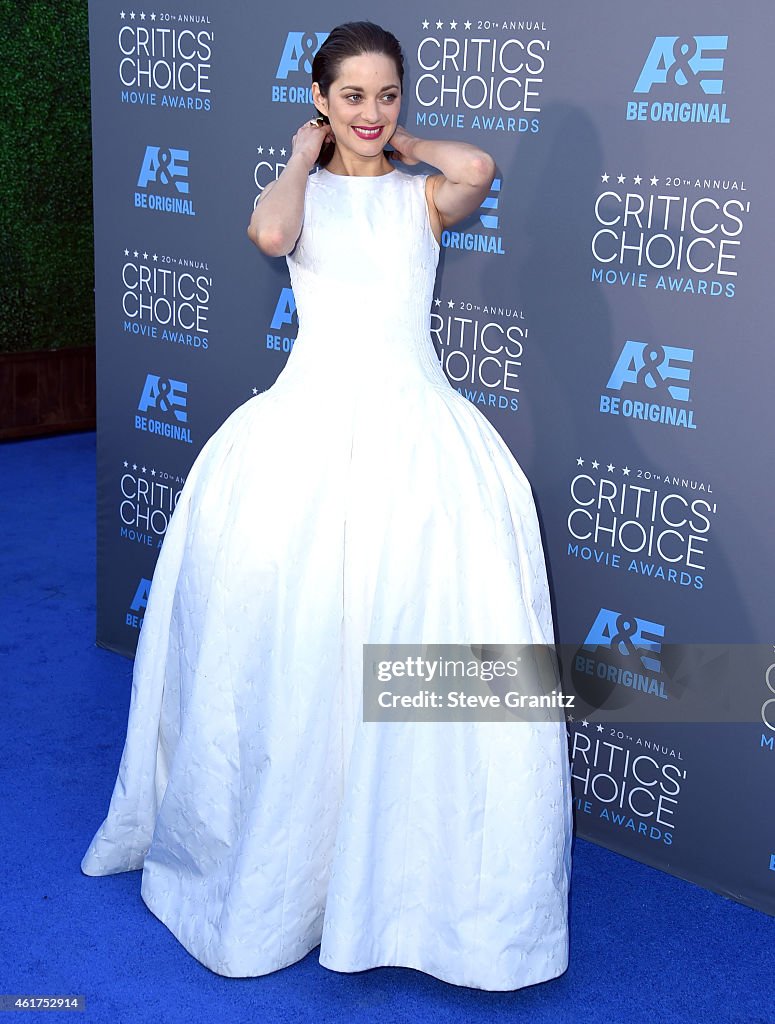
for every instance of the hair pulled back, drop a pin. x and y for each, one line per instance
(352, 39)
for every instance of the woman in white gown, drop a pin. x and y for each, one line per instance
(360, 499)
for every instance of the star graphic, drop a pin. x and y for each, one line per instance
(132, 15)
(135, 253)
(599, 727)
(595, 464)
(604, 177)
(283, 151)
(153, 472)
(155, 257)
(439, 24)
(626, 470)
(570, 718)
(123, 15)
(620, 179)
(126, 252)
(153, 17)
(610, 467)
(142, 15)
(453, 24)
(271, 150)
(260, 149)
(425, 24)
(584, 722)
(467, 24)
(134, 466)
(579, 461)
(126, 464)
(437, 302)
(255, 391)
(654, 181)
(144, 470)
(637, 179)
(451, 304)
(145, 255)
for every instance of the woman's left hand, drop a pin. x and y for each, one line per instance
(403, 144)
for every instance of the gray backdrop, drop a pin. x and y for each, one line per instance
(608, 309)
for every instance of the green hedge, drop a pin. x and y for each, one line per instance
(46, 247)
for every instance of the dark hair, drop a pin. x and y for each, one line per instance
(350, 40)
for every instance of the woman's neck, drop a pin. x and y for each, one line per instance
(347, 165)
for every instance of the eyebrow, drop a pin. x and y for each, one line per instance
(359, 88)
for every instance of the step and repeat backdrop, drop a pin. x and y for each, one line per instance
(609, 309)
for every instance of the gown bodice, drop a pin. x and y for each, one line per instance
(363, 273)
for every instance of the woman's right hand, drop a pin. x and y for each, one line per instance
(309, 140)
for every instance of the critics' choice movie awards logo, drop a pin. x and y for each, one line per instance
(138, 604)
(292, 77)
(481, 349)
(680, 235)
(163, 408)
(485, 236)
(651, 383)
(164, 60)
(163, 182)
(166, 298)
(147, 498)
(480, 74)
(655, 525)
(622, 652)
(631, 783)
(678, 76)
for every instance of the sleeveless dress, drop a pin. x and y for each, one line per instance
(360, 499)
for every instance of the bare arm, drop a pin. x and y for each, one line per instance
(467, 174)
(279, 214)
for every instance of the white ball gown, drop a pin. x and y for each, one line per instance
(360, 499)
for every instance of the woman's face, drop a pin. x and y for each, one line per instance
(362, 104)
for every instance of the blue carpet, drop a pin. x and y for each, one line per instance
(644, 946)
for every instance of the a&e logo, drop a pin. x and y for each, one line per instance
(690, 64)
(663, 371)
(166, 398)
(163, 179)
(681, 60)
(490, 220)
(620, 651)
(628, 635)
(278, 338)
(296, 60)
(134, 617)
